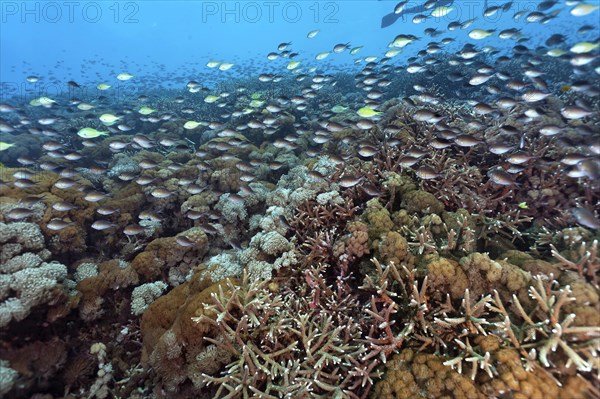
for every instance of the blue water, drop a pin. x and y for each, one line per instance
(92, 41)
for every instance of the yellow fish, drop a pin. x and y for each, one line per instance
(355, 50)
(293, 65)
(367, 112)
(103, 86)
(323, 55)
(124, 76)
(211, 99)
(556, 52)
(90, 133)
(109, 119)
(312, 33)
(146, 110)
(583, 47)
(191, 125)
(583, 9)
(85, 106)
(479, 34)
(5, 146)
(402, 41)
(43, 101)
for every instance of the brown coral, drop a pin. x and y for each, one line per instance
(446, 276)
(419, 201)
(378, 218)
(113, 274)
(358, 242)
(420, 375)
(172, 341)
(393, 247)
(164, 253)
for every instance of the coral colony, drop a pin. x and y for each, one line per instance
(284, 237)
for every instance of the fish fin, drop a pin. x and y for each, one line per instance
(389, 19)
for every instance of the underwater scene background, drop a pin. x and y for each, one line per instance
(300, 199)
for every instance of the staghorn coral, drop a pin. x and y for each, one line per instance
(584, 260)
(468, 334)
(264, 332)
(538, 334)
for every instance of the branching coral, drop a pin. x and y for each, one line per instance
(585, 261)
(537, 330)
(283, 348)
(537, 334)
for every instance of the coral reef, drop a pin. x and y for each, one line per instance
(27, 281)
(164, 253)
